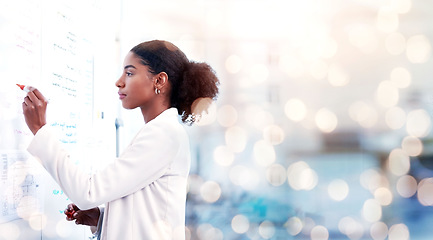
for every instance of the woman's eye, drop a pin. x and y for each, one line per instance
(128, 74)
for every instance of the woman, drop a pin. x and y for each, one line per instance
(144, 190)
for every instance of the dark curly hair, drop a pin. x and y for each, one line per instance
(189, 80)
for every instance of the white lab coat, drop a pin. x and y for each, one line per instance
(144, 190)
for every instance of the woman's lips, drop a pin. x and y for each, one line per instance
(122, 96)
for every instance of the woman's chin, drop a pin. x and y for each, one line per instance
(126, 106)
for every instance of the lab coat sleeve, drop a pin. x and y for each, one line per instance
(144, 161)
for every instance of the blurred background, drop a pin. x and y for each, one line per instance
(322, 129)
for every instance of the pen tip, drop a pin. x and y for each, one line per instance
(20, 86)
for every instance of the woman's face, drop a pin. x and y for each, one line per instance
(136, 85)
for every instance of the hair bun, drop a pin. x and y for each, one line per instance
(199, 81)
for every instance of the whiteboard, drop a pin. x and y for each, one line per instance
(49, 45)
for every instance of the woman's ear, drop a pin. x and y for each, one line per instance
(161, 80)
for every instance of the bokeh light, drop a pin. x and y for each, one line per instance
(319, 233)
(266, 229)
(372, 179)
(406, 186)
(387, 94)
(398, 162)
(351, 227)
(326, 120)
(258, 118)
(309, 224)
(38, 221)
(412, 146)
(233, 64)
(276, 174)
(372, 210)
(338, 189)
(240, 224)
(227, 115)
(210, 191)
(383, 196)
(379, 231)
(243, 176)
(418, 123)
(223, 156)
(398, 232)
(63, 229)
(264, 153)
(425, 192)
(294, 226)
(207, 231)
(202, 230)
(418, 49)
(363, 113)
(273, 134)
(295, 109)
(301, 176)
(395, 118)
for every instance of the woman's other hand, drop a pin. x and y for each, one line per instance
(34, 109)
(88, 217)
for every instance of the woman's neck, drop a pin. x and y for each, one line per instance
(150, 114)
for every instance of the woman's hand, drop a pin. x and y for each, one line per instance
(34, 109)
(85, 217)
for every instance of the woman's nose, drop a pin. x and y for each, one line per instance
(119, 83)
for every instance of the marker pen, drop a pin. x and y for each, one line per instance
(24, 88)
(70, 213)
(29, 89)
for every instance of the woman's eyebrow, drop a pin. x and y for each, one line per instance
(129, 66)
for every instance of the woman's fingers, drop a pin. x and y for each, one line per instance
(68, 216)
(38, 94)
(36, 97)
(27, 101)
(71, 212)
(71, 206)
(34, 109)
(74, 207)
